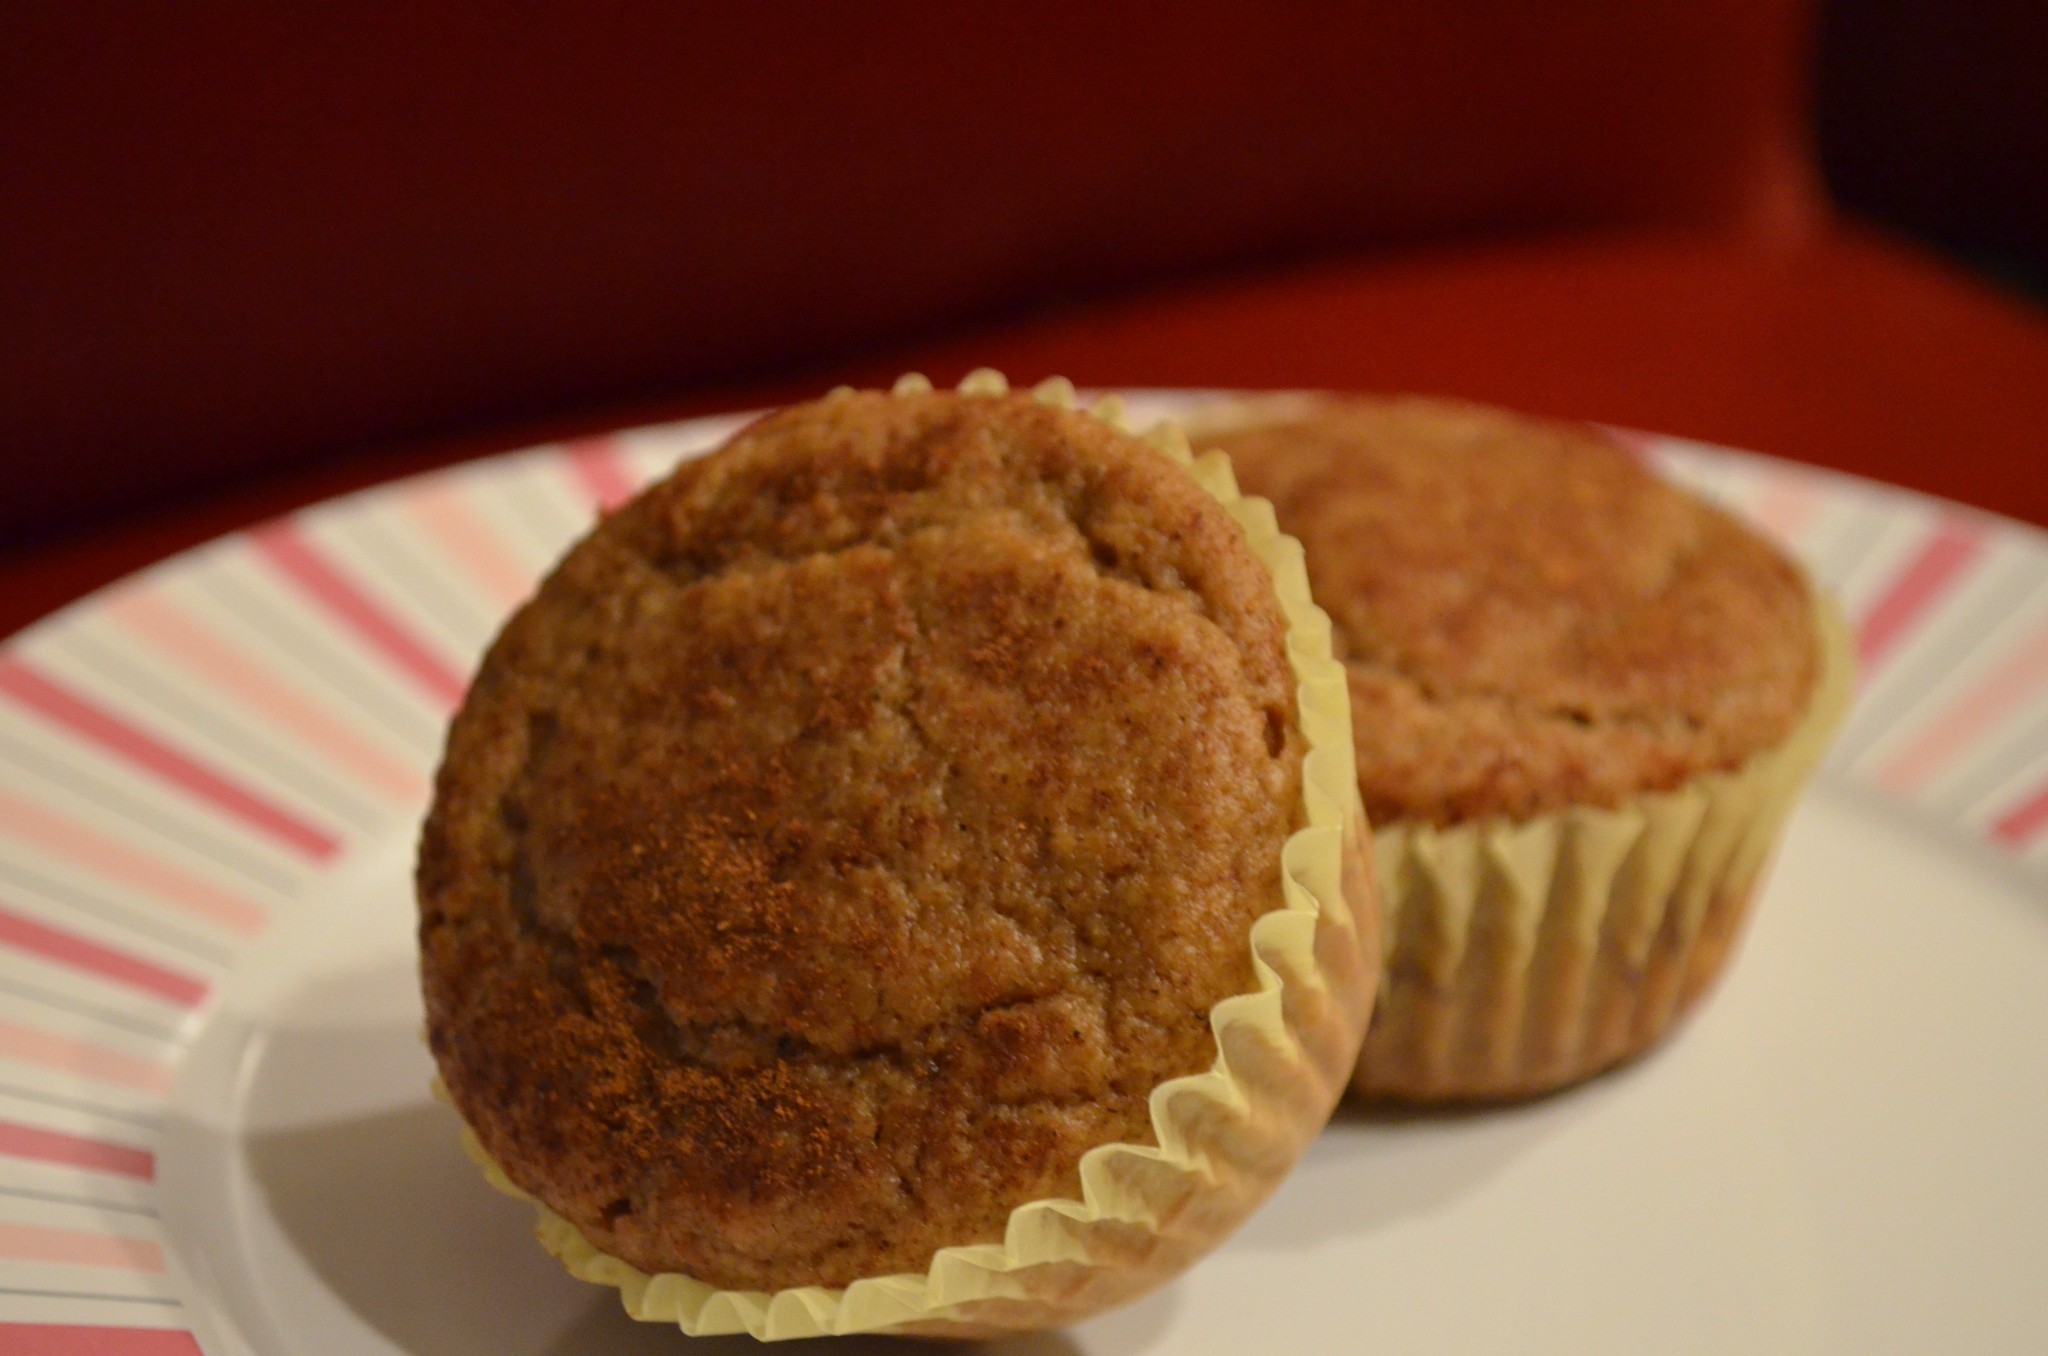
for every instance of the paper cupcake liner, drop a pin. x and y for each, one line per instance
(1225, 1138)
(1525, 955)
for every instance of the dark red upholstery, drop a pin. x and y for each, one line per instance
(258, 243)
(245, 238)
(1847, 349)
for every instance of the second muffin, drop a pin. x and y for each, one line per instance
(1583, 701)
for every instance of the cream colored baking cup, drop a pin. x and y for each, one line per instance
(1225, 1137)
(1525, 955)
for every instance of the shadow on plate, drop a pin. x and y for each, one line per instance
(605, 1329)
(1377, 1166)
(393, 1221)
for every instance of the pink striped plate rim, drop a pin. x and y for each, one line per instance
(182, 754)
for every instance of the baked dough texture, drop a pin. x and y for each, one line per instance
(852, 832)
(1531, 621)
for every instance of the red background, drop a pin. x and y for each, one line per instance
(255, 256)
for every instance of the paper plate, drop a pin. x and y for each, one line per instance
(214, 1127)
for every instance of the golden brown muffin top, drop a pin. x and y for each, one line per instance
(853, 832)
(1531, 621)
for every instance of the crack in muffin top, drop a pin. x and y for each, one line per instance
(1530, 620)
(852, 832)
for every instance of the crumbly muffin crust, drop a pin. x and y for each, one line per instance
(852, 832)
(1530, 620)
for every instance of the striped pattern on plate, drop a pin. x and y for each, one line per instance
(181, 755)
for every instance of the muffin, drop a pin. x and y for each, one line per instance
(1583, 702)
(891, 875)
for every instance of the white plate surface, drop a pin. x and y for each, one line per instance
(214, 1131)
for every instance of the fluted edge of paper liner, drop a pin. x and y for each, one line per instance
(1522, 956)
(1225, 1138)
